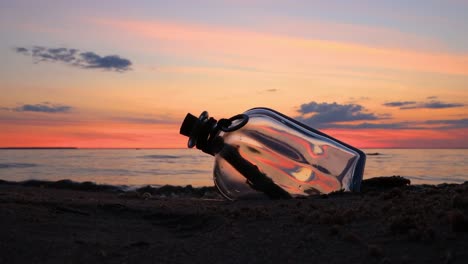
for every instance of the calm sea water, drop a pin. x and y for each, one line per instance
(187, 166)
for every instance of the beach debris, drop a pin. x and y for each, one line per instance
(266, 153)
(146, 195)
(382, 183)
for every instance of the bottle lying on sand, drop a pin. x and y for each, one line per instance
(263, 152)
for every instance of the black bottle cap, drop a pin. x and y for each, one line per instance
(188, 125)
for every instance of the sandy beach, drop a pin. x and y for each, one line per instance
(390, 221)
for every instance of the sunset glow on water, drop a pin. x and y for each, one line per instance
(133, 167)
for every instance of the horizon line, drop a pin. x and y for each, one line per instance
(144, 148)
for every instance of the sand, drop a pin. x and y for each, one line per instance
(388, 222)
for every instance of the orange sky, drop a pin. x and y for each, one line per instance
(94, 77)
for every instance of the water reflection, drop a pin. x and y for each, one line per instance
(194, 167)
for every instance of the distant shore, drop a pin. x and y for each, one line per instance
(390, 221)
(39, 148)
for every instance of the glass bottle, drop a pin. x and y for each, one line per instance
(263, 152)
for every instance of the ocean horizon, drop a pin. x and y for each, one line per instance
(71, 147)
(156, 167)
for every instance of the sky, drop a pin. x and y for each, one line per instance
(123, 74)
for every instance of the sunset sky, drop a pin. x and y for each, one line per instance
(111, 74)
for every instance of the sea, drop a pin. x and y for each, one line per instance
(157, 167)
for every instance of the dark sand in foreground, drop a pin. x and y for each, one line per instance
(389, 222)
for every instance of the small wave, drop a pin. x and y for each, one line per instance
(159, 157)
(374, 154)
(132, 191)
(437, 180)
(16, 165)
(159, 172)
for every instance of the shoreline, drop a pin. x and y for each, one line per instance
(162, 190)
(390, 221)
(378, 183)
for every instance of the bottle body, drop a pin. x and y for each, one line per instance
(298, 159)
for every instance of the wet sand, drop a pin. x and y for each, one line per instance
(388, 222)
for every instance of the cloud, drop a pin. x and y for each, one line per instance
(73, 57)
(43, 108)
(146, 120)
(40, 121)
(433, 104)
(399, 103)
(449, 123)
(112, 62)
(347, 116)
(414, 125)
(324, 113)
(268, 91)
(355, 100)
(22, 50)
(366, 125)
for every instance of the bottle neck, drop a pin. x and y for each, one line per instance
(206, 138)
(203, 132)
